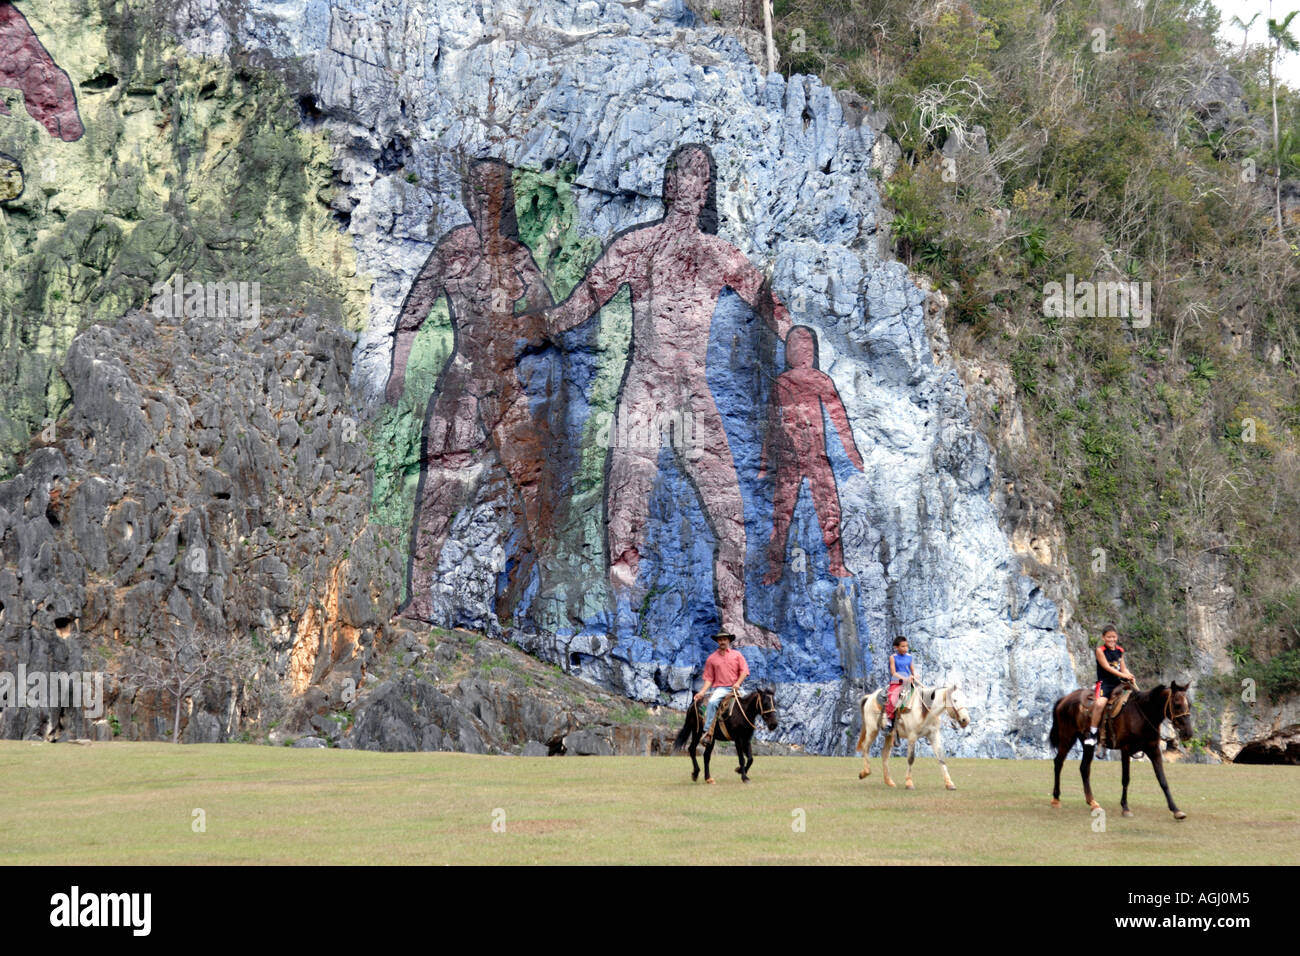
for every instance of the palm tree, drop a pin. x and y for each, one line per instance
(1245, 29)
(1280, 41)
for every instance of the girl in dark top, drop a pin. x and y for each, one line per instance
(1111, 670)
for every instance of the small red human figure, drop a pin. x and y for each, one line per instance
(796, 446)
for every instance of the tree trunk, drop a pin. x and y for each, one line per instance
(1277, 157)
(176, 724)
(767, 29)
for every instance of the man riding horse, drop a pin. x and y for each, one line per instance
(724, 671)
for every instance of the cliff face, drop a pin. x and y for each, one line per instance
(585, 104)
(606, 484)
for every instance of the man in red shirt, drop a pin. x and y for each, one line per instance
(724, 671)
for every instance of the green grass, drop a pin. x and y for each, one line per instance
(133, 803)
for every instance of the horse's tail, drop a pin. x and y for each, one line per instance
(685, 733)
(862, 734)
(1054, 735)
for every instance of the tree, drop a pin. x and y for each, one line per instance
(1280, 41)
(1245, 29)
(181, 662)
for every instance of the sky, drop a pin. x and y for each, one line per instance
(1289, 66)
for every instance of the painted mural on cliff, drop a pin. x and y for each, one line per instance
(48, 96)
(719, 426)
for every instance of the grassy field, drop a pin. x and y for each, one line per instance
(135, 803)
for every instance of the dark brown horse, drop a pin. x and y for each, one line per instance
(1137, 730)
(738, 726)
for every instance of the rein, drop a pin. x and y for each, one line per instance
(947, 710)
(762, 713)
(1168, 712)
(740, 705)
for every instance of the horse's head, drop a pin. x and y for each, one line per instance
(767, 707)
(957, 706)
(1178, 709)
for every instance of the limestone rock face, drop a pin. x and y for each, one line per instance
(207, 479)
(1260, 730)
(643, 391)
(585, 104)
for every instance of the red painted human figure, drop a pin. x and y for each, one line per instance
(796, 449)
(26, 66)
(486, 275)
(675, 267)
(47, 91)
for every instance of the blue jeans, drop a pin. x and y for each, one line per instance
(715, 698)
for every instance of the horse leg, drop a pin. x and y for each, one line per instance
(1158, 762)
(1062, 749)
(911, 758)
(708, 752)
(885, 748)
(1085, 771)
(936, 741)
(869, 734)
(866, 754)
(1123, 800)
(693, 718)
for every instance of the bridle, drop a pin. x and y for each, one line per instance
(1169, 706)
(951, 708)
(1169, 714)
(740, 705)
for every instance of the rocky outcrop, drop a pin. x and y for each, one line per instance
(1280, 747)
(1256, 729)
(208, 479)
(464, 693)
(213, 170)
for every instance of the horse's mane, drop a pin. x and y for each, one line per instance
(1143, 696)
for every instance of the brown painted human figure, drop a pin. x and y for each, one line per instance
(796, 448)
(490, 280)
(675, 268)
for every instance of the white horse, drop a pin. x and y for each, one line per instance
(923, 717)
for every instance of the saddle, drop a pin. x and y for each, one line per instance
(1114, 705)
(719, 716)
(904, 699)
(724, 708)
(1117, 701)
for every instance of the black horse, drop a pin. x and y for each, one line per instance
(738, 726)
(1137, 730)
